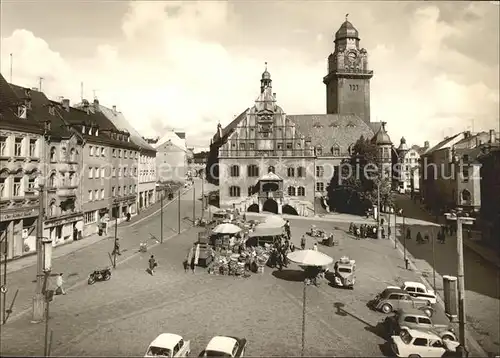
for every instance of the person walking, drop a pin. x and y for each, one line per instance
(287, 229)
(315, 246)
(292, 247)
(59, 285)
(303, 242)
(408, 234)
(419, 239)
(193, 265)
(186, 265)
(152, 265)
(116, 250)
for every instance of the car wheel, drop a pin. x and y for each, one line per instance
(447, 337)
(428, 312)
(386, 308)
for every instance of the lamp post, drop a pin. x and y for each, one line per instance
(304, 318)
(194, 205)
(461, 282)
(433, 259)
(161, 215)
(179, 211)
(47, 294)
(202, 194)
(379, 234)
(39, 299)
(116, 234)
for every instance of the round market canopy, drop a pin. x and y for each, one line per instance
(310, 258)
(226, 229)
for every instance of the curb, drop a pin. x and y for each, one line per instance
(472, 342)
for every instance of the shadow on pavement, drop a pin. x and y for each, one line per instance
(378, 329)
(289, 275)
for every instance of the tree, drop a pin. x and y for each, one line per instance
(353, 188)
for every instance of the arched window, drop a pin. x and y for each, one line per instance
(72, 181)
(72, 155)
(270, 169)
(291, 172)
(301, 191)
(52, 209)
(63, 152)
(336, 151)
(466, 196)
(291, 190)
(52, 180)
(53, 154)
(252, 171)
(301, 172)
(234, 191)
(235, 171)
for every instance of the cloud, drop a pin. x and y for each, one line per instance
(189, 65)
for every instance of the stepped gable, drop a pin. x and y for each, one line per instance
(329, 130)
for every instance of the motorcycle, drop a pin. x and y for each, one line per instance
(99, 275)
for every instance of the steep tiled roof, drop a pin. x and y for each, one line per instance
(381, 137)
(230, 127)
(327, 130)
(8, 98)
(40, 112)
(119, 120)
(443, 143)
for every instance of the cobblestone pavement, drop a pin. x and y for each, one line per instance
(482, 279)
(77, 265)
(121, 316)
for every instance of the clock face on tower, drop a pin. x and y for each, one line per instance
(352, 56)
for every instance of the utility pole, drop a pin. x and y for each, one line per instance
(304, 301)
(116, 236)
(11, 62)
(461, 282)
(404, 236)
(161, 215)
(39, 297)
(395, 229)
(179, 211)
(4, 283)
(379, 234)
(194, 205)
(202, 195)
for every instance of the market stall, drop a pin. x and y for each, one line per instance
(264, 234)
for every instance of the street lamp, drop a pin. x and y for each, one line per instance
(379, 234)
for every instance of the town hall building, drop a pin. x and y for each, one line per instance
(268, 160)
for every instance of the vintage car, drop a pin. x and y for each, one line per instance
(416, 319)
(414, 343)
(223, 346)
(168, 345)
(392, 299)
(345, 273)
(418, 289)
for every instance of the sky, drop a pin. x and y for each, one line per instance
(190, 65)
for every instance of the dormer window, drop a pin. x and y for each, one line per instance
(52, 111)
(83, 129)
(97, 132)
(28, 103)
(90, 131)
(22, 112)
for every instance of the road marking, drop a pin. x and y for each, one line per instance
(80, 283)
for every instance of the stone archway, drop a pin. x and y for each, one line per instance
(290, 210)
(271, 206)
(254, 208)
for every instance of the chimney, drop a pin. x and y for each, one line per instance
(274, 96)
(426, 144)
(467, 134)
(96, 105)
(492, 136)
(65, 104)
(114, 109)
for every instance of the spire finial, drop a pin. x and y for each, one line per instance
(346, 16)
(265, 63)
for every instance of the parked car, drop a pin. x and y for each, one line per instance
(345, 273)
(223, 346)
(414, 343)
(168, 345)
(418, 289)
(392, 299)
(416, 319)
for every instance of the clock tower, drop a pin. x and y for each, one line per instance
(348, 79)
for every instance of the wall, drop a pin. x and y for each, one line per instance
(171, 162)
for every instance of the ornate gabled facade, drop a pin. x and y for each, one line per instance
(268, 160)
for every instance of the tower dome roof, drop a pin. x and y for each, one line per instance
(402, 144)
(346, 30)
(266, 75)
(381, 137)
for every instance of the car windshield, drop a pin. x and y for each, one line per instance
(158, 352)
(216, 354)
(344, 269)
(405, 336)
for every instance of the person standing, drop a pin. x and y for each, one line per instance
(152, 265)
(287, 229)
(116, 250)
(59, 285)
(303, 242)
(193, 265)
(315, 246)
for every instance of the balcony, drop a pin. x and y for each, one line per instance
(271, 194)
(67, 191)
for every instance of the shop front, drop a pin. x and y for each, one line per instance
(18, 230)
(64, 228)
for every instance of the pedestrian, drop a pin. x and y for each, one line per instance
(116, 250)
(408, 234)
(303, 242)
(75, 234)
(193, 265)
(59, 285)
(315, 246)
(389, 232)
(292, 247)
(419, 238)
(186, 265)
(152, 265)
(287, 228)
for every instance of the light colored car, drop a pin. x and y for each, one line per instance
(168, 345)
(416, 319)
(223, 346)
(418, 289)
(345, 273)
(415, 344)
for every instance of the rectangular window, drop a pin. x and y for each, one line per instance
(279, 146)
(90, 195)
(31, 184)
(3, 146)
(119, 153)
(130, 189)
(91, 150)
(301, 172)
(32, 148)
(18, 147)
(119, 172)
(242, 146)
(113, 191)
(89, 217)
(320, 186)
(96, 194)
(102, 193)
(251, 146)
(17, 186)
(103, 172)
(125, 171)
(2, 188)
(320, 171)
(465, 174)
(114, 153)
(91, 172)
(97, 172)
(113, 173)
(289, 146)
(291, 172)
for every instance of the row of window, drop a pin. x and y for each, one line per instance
(98, 194)
(16, 186)
(334, 150)
(96, 173)
(253, 171)
(23, 147)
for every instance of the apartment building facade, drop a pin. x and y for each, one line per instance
(21, 140)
